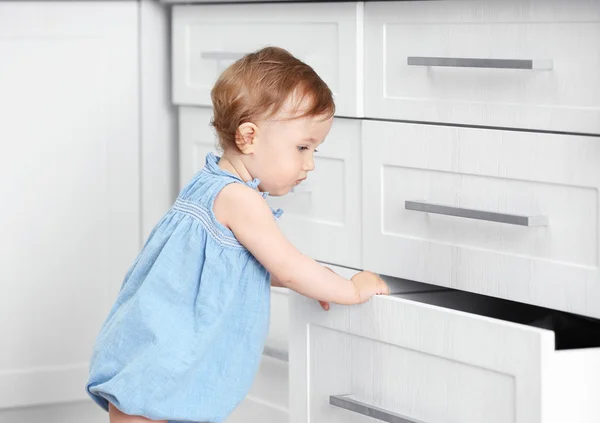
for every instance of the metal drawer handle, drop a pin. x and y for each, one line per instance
(221, 55)
(542, 64)
(275, 353)
(344, 401)
(512, 219)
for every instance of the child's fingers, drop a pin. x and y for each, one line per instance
(385, 289)
(325, 305)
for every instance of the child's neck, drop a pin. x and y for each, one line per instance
(233, 162)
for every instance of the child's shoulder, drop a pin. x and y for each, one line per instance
(236, 200)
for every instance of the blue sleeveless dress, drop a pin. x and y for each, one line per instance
(185, 335)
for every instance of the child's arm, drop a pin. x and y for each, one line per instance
(275, 282)
(249, 217)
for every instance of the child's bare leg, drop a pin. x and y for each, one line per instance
(117, 416)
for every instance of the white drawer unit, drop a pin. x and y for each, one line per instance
(472, 184)
(436, 357)
(322, 215)
(520, 64)
(327, 36)
(502, 213)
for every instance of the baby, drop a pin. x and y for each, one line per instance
(185, 336)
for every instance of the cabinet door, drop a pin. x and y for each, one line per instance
(322, 215)
(69, 187)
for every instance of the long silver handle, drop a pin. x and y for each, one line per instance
(543, 64)
(222, 55)
(512, 219)
(344, 401)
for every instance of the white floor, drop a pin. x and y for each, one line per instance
(75, 412)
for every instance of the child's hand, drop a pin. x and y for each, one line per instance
(368, 284)
(325, 304)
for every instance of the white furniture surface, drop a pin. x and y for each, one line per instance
(434, 357)
(208, 38)
(558, 39)
(476, 151)
(323, 214)
(69, 187)
(550, 182)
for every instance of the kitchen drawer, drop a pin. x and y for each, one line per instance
(441, 357)
(501, 181)
(406, 80)
(327, 36)
(322, 215)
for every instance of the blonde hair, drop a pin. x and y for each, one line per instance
(257, 87)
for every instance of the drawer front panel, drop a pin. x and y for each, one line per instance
(420, 357)
(549, 182)
(483, 63)
(401, 381)
(208, 38)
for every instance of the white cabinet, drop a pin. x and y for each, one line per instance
(196, 139)
(529, 205)
(69, 187)
(436, 357)
(208, 38)
(520, 64)
(267, 401)
(322, 215)
(508, 210)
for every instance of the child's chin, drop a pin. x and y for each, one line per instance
(280, 192)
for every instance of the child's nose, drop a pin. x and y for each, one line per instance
(309, 165)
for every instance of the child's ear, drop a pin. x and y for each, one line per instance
(245, 137)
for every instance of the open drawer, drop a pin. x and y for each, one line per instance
(441, 357)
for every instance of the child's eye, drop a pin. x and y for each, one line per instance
(304, 148)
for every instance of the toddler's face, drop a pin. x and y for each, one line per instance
(284, 154)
